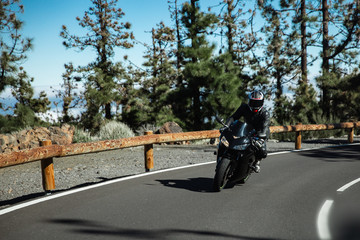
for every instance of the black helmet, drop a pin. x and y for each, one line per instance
(256, 101)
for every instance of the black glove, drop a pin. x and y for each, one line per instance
(223, 129)
(258, 142)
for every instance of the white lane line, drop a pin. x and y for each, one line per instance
(323, 220)
(346, 186)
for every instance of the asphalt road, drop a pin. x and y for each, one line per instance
(296, 196)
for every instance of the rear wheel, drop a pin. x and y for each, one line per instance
(222, 175)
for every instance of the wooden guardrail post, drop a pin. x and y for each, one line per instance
(298, 139)
(149, 154)
(351, 135)
(47, 170)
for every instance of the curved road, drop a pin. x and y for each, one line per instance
(299, 195)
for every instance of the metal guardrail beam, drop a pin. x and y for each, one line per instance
(314, 127)
(35, 154)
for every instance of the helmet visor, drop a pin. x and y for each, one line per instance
(256, 104)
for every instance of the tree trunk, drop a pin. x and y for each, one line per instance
(108, 111)
(229, 24)
(179, 59)
(325, 65)
(304, 78)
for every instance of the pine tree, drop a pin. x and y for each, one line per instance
(236, 24)
(339, 48)
(134, 102)
(163, 75)
(13, 52)
(104, 34)
(13, 45)
(190, 97)
(179, 38)
(281, 58)
(349, 96)
(226, 88)
(235, 19)
(68, 94)
(27, 106)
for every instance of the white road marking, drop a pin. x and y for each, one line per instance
(323, 220)
(346, 186)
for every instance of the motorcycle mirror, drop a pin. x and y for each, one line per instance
(220, 120)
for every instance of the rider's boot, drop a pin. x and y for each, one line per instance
(256, 166)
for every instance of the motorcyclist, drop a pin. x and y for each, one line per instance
(255, 114)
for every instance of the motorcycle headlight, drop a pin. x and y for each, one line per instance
(224, 141)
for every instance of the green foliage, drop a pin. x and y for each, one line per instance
(282, 114)
(342, 96)
(25, 116)
(158, 85)
(23, 92)
(13, 52)
(226, 87)
(135, 102)
(8, 124)
(68, 95)
(305, 107)
(100, 91)
(13, 45)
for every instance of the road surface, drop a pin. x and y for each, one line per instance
(311, 194)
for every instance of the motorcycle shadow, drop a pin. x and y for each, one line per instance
(201, 184)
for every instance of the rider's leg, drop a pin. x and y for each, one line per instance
(261, 154)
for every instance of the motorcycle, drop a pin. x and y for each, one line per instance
(235, 155)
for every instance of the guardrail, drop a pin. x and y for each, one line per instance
(47, 152)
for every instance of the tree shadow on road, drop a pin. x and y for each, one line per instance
(200, 184)
(103, 231)
(335, 154)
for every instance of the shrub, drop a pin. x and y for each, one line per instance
(81, 136)
(114, 130)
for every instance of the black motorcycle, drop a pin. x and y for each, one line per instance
(235, 155)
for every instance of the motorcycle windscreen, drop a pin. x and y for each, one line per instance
(241, 129)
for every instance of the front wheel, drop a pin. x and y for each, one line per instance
(222, 175)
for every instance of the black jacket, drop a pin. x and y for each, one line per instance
(260, 121)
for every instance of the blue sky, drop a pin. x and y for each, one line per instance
(43, 21)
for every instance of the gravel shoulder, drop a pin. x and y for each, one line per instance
(24, 182)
